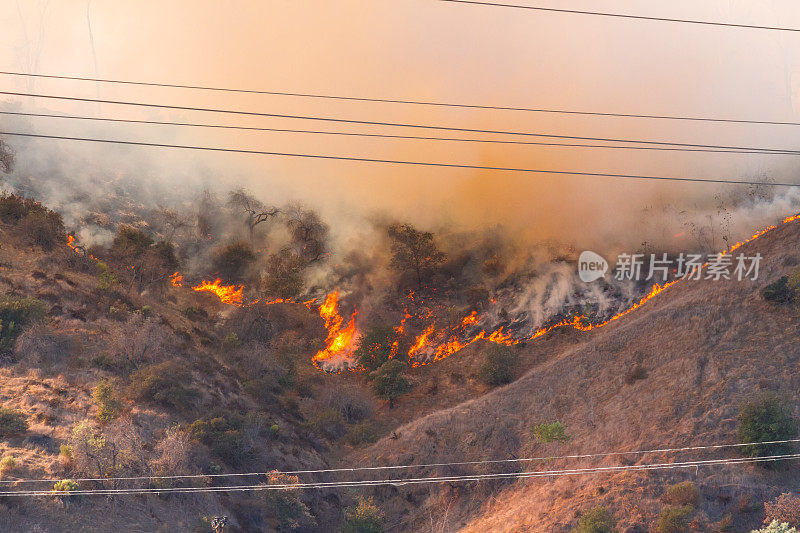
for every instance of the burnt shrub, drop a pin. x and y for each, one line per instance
(498, 365)
(12, 422)
(252, 324)
(682, 494)
(635, 373)
(232, 261)
(779, 291)
(167, 384)
(15, 315)
(763, 420)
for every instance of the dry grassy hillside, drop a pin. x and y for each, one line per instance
(705, 348)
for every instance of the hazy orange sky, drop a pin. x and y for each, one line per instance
(424, 49)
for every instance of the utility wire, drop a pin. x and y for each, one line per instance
(399, 162)
(381, 123)
(405, 101)
(721, 150)
(423, 465)
(625, 16)
(403, 481)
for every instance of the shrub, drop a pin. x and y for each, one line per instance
(362, 433)
(286, 505)
(776, 527)
(231, 437)
(388, 381)
(15, 315)
(167, 383)
(284, 274)
(779, 291)
(105, 278)
(596, 520)
(66, 456)
(498, 365)
(65, 485)
(551, 432)
(784, 508)
(375, 346)
(7, 464)
(324, 421)
(766, 419)
(194, 312)
(40, 346)
(352, 402)
(106, 399)
(635, 374)
(365, 517)
(682, 494)
(674, 520)
(12, 422)
(35, 223)
(232, 261)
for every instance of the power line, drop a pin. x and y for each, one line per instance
(404, 481)
(721, 149)
(399, 162)
(382, 123)
(624, 16)
(421, 465)
(405, 101)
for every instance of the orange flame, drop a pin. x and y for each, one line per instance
(421, 341)
(176, 279)
(339, 340)
(227, 294)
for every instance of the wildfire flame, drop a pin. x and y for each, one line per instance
(176, 279)
(339, 340)
(227, 294)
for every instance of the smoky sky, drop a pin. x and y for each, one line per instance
(423, 50)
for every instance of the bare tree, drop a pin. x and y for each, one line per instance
(171, 222)
(309, 233)
(255, 211)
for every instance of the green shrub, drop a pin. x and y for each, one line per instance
(105, 278)
(388, 381)
(15, 315)
(498, 365)
(682, 494)
(286, 505)
(194, 312)
(106, 399)
(766, 419)
(34, 223)
(65, 485)
(361, 433)
(375, 346)
(166, 383)
(12, 422)
(779, 291)
(327, 422)
(776, 527)
(7, 464)
(365, 517)
(551, 432)
(596, 520)
(674, 520)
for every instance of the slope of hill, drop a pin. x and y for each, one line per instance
(702, 349)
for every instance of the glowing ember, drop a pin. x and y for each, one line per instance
(176, 279)
(227, 294)
(421, 341)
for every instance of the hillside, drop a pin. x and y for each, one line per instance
(706, 347)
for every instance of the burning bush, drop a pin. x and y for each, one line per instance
(498, 365)
(764, 420)
(233, 261)
(375, 346)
